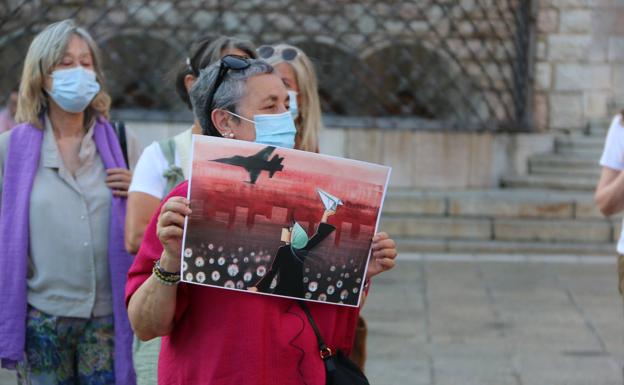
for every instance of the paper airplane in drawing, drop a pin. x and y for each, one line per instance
(330, 201)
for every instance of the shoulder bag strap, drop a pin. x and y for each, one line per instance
(324, 350)
(120, 130)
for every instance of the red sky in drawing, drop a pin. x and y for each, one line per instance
(290, 194)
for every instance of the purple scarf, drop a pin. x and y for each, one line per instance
(20, 167)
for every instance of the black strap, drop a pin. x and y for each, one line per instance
(120, 130)
(319, 339)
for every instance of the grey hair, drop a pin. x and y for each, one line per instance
(229, 93)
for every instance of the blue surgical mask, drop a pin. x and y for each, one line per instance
(74, 88)
(293, 104)
(273, 129)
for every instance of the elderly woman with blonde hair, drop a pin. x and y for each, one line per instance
(299, 77)
(64, 182)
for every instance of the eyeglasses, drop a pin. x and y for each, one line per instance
(229, 62)
(267, 51)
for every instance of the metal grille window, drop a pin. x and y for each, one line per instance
(439, 64)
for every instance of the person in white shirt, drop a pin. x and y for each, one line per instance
(609, 194)
(165, 164)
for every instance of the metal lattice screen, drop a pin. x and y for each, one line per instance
(458, 64)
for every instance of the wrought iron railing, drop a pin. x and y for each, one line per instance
(438, 64)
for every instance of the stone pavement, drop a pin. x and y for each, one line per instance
(461, 319)
(487, 319)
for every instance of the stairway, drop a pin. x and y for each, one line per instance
(572, 166)
(548, 211)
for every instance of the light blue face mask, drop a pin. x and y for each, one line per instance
(294, 110)
(74, 88)
(273, 129)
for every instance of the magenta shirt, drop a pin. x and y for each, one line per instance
(224, 337)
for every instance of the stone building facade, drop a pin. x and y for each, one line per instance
(579, 62)
(459, 93)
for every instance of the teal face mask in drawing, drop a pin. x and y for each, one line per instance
(298, 237)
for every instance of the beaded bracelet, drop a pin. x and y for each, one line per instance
(165, 277)
(164, 280)
(166, 283)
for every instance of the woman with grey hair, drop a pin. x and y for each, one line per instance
(63, 180)
(222, 337)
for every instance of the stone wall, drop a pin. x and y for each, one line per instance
(419, 159)
(579, 62)
(439, 160)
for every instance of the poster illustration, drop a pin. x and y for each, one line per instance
(280, 222)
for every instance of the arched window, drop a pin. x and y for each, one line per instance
(138, 72)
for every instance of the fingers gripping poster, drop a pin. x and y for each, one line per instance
(275, 221)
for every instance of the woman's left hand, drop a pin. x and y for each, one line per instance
(384, 254)
(118, 180)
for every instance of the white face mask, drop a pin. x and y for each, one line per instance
(294, 110)
(73, 88)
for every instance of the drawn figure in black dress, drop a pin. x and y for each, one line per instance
(287, 267)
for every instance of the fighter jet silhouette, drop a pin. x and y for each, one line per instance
(257, 163)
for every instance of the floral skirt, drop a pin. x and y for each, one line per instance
(67, 351)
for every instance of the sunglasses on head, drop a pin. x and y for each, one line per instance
(229, 62)
(267, 51)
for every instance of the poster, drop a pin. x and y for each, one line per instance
(282, 222)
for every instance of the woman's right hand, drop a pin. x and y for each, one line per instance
(170, 228)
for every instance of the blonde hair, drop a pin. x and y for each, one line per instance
(308, 123)
(45, 52)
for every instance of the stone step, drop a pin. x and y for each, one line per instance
(560, 182)
(499, 203)
(579, 141)
(437, 227)
(585, 173)
(584, 152)
(554, 230)
(498, 221)
(579, 144)
(565, 161)
(501, 229)
(587, 152)
(500, 247)
(599, 127)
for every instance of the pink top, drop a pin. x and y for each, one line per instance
(6, 120)
(229, 337)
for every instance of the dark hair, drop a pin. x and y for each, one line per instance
(205, 51)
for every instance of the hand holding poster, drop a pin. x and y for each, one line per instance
(281, 222)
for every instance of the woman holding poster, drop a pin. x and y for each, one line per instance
(215, 336)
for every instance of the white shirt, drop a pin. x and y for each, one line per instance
(149, 172)
(613, 157)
